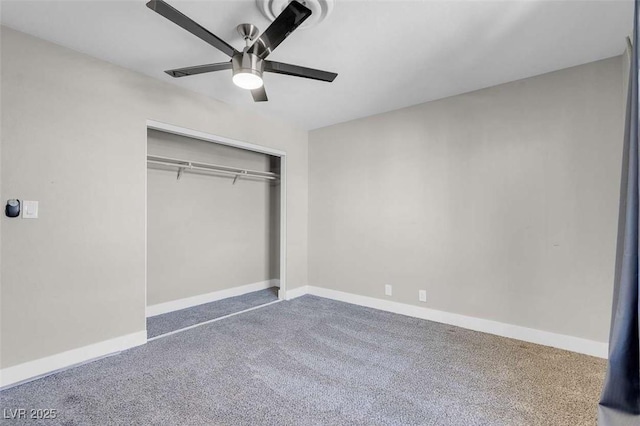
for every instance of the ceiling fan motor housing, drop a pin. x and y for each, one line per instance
(245, 62)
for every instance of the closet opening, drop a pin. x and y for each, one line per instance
(215, 228)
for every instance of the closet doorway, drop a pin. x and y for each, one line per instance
(216, 228)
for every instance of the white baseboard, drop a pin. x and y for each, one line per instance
(297, 292)
(546, 338)
(44, 366)
(188, 302)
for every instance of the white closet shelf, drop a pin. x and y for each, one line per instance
(185, 166)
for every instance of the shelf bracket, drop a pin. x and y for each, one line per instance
(181, 170)
(244, 172)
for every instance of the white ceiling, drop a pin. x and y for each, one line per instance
(388, 54)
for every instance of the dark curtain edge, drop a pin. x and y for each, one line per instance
(620, 398)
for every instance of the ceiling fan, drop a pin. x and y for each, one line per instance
(248, 65)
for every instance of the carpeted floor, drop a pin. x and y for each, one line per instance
(165, 323)
(315, 361)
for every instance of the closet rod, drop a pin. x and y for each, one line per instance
(192, 165)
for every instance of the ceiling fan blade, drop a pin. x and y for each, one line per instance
(199, 69)
(290, 18)
(259, 95)
(298, 71)
(188, 24)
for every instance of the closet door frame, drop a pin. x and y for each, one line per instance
(196, 134)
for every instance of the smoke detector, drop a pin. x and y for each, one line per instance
(320, 10)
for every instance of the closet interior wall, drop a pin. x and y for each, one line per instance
(205, 233)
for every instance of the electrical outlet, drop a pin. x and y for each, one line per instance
(422, 295)
(388, 290)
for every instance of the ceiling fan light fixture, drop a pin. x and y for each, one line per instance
(247, 80)
(247, 71)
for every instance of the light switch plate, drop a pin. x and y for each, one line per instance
(29, 209)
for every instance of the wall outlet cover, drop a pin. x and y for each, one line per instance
(422, 295)
(388, 290)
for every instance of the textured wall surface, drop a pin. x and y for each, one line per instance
(501, 203)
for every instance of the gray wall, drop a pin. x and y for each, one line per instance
(501, 203)
(204, 233)
(74, 137)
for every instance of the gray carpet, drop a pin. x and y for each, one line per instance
(165, 323)
(314, 361)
